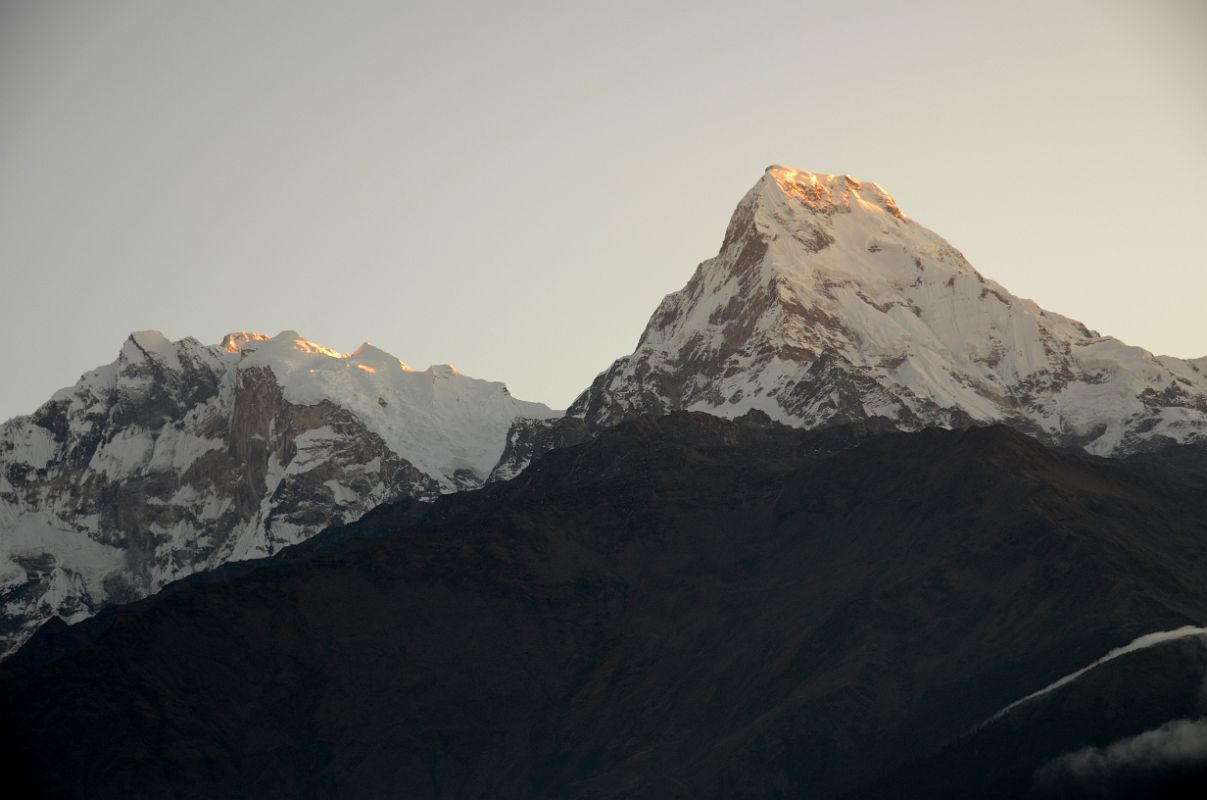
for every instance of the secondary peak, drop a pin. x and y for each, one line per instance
(235, 341)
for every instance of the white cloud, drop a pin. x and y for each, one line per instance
(1177, 744)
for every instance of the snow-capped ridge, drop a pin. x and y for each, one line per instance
(179, 456)
(1139, 643)
(366, 354)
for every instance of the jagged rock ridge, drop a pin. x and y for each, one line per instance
(178, 457)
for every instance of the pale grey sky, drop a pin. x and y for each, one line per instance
(512, 187)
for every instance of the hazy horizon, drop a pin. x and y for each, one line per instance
(513, 189)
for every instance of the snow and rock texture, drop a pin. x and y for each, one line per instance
(178, 457)
(529, 439)
(828, 304)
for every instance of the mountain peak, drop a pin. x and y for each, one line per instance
(235, 341)
(142, 345)
(303, 345)
(828, 193)
(371, 355)
(827, 304)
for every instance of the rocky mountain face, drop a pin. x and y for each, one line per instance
(684, 606)
(178, 457)
(529, 439)
(827, 304)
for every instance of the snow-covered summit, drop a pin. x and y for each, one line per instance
(827, 303)
(828, 193)
(179, 456)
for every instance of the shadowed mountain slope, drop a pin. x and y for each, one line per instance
(682, 607)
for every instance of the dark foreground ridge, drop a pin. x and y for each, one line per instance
(683, 607)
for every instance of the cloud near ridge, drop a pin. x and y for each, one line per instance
(1180, 743)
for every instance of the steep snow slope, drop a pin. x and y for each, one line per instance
(827, 303)
(178, 457)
